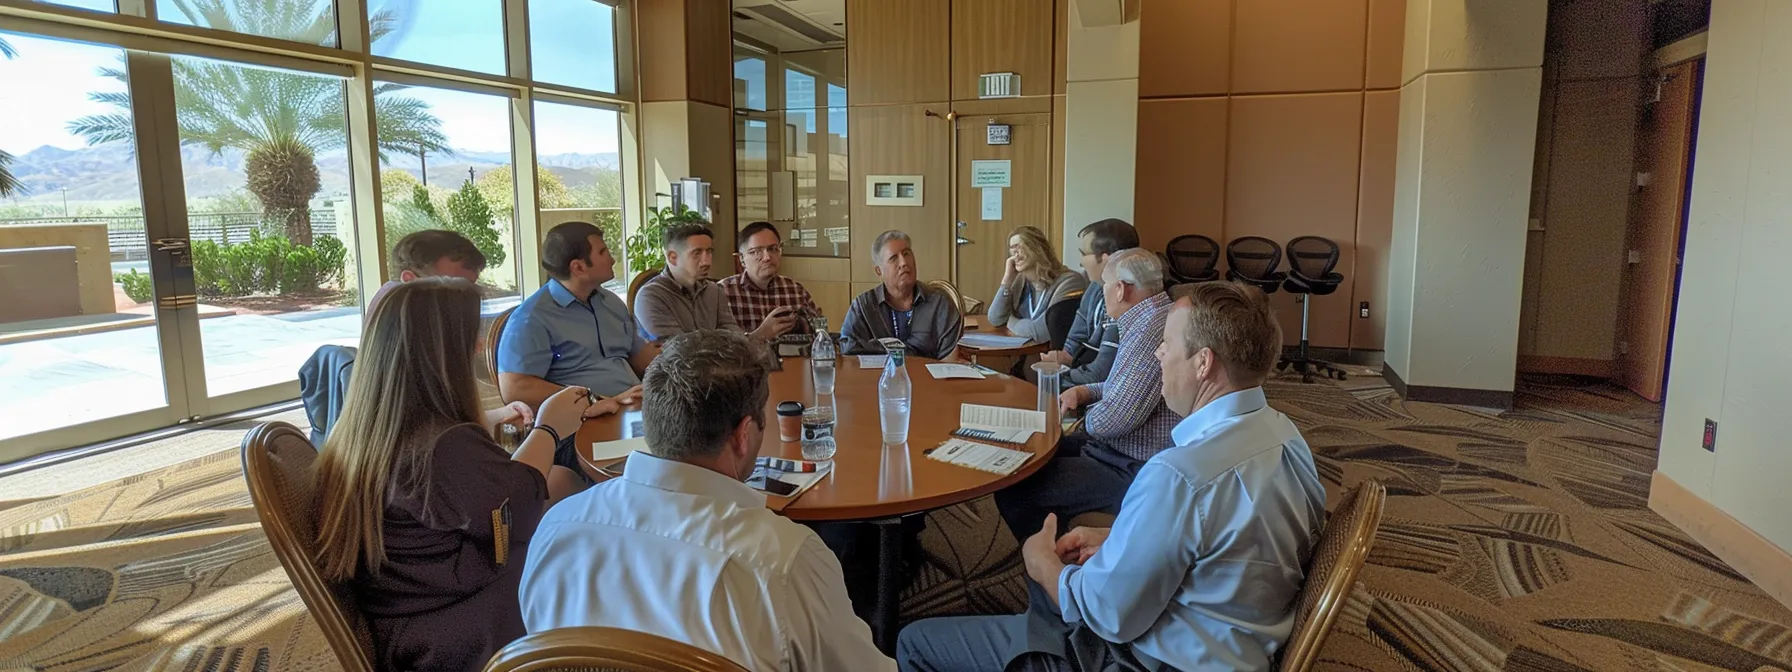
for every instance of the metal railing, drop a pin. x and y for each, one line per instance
(126, 237)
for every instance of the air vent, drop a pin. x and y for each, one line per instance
(791, 21)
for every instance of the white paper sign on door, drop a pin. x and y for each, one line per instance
(992, 204)
(992, 173)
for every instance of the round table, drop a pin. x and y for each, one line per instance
(871, 482)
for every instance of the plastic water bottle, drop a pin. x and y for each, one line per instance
(893, 395)
(822, 355)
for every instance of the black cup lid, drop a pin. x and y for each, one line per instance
(790, 408)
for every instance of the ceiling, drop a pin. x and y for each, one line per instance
(792, 25)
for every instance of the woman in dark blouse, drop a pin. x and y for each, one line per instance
(423, 514)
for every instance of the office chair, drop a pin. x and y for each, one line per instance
(1061, 315)
(1253, 260)
(1310, 263)
(1193, 258)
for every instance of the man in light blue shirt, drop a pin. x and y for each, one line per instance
(572, 331)
(1202, 567)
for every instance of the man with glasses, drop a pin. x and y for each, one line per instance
(766, 304)
(1094, 337)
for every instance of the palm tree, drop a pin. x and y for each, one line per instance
(280, 120)
(9, 185)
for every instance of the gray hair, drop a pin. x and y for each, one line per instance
(697, 391)
(877, 246)
(1139, 268)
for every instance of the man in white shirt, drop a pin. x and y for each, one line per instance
(681, 548)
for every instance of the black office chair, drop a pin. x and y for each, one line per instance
(1310, 263)
(1253, 260)
(1193, 258)
(1060, 316)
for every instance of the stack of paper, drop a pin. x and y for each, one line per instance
(604, 451)
(997, 423)
(980, 456)
(800, 481)
(941, 370)
(872, 361)
(992, 341)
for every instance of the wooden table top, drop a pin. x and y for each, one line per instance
(871, 481)
(979, 324)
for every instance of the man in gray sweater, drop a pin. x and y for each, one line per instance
(1094, 337)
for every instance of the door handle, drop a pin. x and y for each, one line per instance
(179, 250)
(963, 240)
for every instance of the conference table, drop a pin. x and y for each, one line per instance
(871, 482)
(979, 324)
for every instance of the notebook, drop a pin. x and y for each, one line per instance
(979, 456)
(997, 423)
(992, 341)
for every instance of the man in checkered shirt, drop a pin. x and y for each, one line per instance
(759, 294)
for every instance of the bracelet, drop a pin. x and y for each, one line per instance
(549, 430)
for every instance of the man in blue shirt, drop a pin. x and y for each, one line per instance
(572, 331)
(1201, 570)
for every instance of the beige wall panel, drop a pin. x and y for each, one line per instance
(1592, 39)
(1584, 225)
(899, 51)
(1292, 171)
(1386, 42)
(1054, 222)
(709, 49)
(1002, 36)
(1374, 217)
(1283, 46)
(902, 140)
(1181, 170)
(1106, 52)
(1457, 35)
(1101, 155)
(662, 57)
(1185, 47)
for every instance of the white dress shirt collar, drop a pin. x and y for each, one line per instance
(1196, 425)
(658, 472)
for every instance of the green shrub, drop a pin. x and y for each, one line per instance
(266, 264)
(471, 215)
(332, 259)
(136, 285)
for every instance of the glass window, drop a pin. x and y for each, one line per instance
(463, 34)
(269, 215)
(579, 174)
(307, 21)
(573, 43)
(81, 345)
(445, 164)
(749, 80)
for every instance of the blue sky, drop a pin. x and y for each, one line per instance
(570, 42)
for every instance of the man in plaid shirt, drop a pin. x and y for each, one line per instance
(1128, 421)
(759, 295)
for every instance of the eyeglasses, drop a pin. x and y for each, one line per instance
(760, 252)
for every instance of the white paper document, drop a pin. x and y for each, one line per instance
(941, 371)
(978, 416)
(980, 456)
(992, 204)
(872, 361)
(603, 451)
(992, 341)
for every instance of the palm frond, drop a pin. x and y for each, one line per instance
(99, 129)
(9, 185)
(7, 50)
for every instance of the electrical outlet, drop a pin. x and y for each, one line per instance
(1362, 310)
(1635, 256)
(1710, 442)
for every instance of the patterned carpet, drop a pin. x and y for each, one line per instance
(1513, 541)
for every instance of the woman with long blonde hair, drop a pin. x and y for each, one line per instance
(1032, 281)
(422, 513)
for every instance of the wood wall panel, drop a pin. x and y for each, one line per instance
(827, 282)
(1002, 36)
(1181, 183)
(1374, 218)
(1386, 42)
(1298, 45)
(709, 48)
(899, 51)
(1185, 48)
(902, 140)
(662, 58)
(1292, 170)
(1061, 47)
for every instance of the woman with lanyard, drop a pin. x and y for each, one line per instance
(1032, 281)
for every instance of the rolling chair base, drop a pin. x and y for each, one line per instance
(1309, 367)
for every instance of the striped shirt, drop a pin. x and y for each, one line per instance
(1131, 417)
(751, 303)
